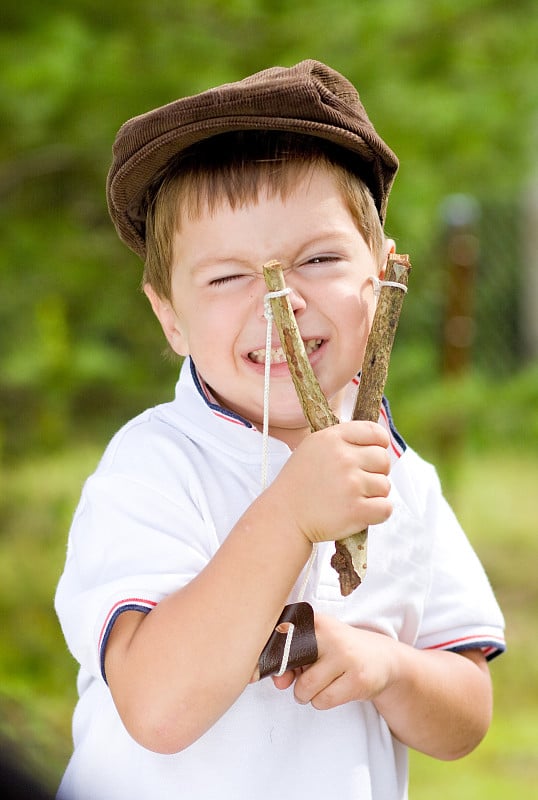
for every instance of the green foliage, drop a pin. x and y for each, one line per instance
(77, 337)
(495, 497)
(452, 88)
(472, 411)
(37, 675)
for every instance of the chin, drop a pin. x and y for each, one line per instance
(285, 410)
(288, 422)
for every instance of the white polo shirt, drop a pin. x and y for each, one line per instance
(170, 486)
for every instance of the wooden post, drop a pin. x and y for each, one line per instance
(462, 245)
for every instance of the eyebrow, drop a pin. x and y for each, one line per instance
(321, 240)
(206, 264)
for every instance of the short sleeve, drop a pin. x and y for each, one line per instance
(461, 611)
(131, 544)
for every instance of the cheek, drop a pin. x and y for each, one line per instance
(211, 336)
(356, 312)
(355, 323)
(369, 313)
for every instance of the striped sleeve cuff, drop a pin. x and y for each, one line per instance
(128, 604)
(491, 643)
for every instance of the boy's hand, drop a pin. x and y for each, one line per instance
(353, 664)
(335, 483)
(435, 701)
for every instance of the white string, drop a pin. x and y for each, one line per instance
(268, 314)
(378, 284)
(289, 634)
(286, 653)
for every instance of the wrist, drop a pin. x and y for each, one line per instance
(281, 511)
(399, 670)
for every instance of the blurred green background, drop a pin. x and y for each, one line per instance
(453, 88)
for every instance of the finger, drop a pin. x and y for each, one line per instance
(375, 511)
(375, 459)
(337, 693)
(363, 432)
(315, 680)
(284, 681)
(375, 485)
(325, 690)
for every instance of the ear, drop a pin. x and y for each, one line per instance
(170, 323)
(389, 248)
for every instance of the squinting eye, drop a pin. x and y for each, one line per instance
(225, 279)
(325, 259)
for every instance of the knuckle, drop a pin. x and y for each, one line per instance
(386, 461)
(306, 683)
(385, 485)
(325, 700)
(385, 511)
(379, 434)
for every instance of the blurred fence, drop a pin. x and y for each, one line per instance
(487, 302)
(498, 346)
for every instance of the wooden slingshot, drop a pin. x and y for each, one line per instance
(350, 558)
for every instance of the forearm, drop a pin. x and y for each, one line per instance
(174, 672)
(184, 664)
(438, 702)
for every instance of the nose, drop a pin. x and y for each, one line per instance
(296, 299)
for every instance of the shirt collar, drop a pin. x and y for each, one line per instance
(205, 393)
(397, 444)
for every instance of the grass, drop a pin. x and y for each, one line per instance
(494, 494)
(37, 674)
(496, 500)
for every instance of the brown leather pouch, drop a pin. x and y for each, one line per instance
(304, 647)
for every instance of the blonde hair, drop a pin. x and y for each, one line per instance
(235, 167)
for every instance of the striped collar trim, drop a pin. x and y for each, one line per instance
(218, 410)
(397, 444)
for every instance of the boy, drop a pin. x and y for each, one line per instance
(179, 565)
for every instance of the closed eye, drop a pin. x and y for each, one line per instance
(225, 279)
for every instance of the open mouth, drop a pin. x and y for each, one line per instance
(277, 353)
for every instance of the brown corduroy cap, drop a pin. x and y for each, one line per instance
(309, 98)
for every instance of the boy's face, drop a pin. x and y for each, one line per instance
(217, 309)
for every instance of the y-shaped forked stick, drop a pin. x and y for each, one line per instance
(349, 559)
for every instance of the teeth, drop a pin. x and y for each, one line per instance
(277, 353)
(277, 356)
(311, 345)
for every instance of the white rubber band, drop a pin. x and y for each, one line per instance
(286, 653)
(270, 295)
(268, 314)
(378, 284)
(291, 629)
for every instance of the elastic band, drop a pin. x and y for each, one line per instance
(291, 629)
(269, 296)
(268, 314)
(286, 653)
(378, 284)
